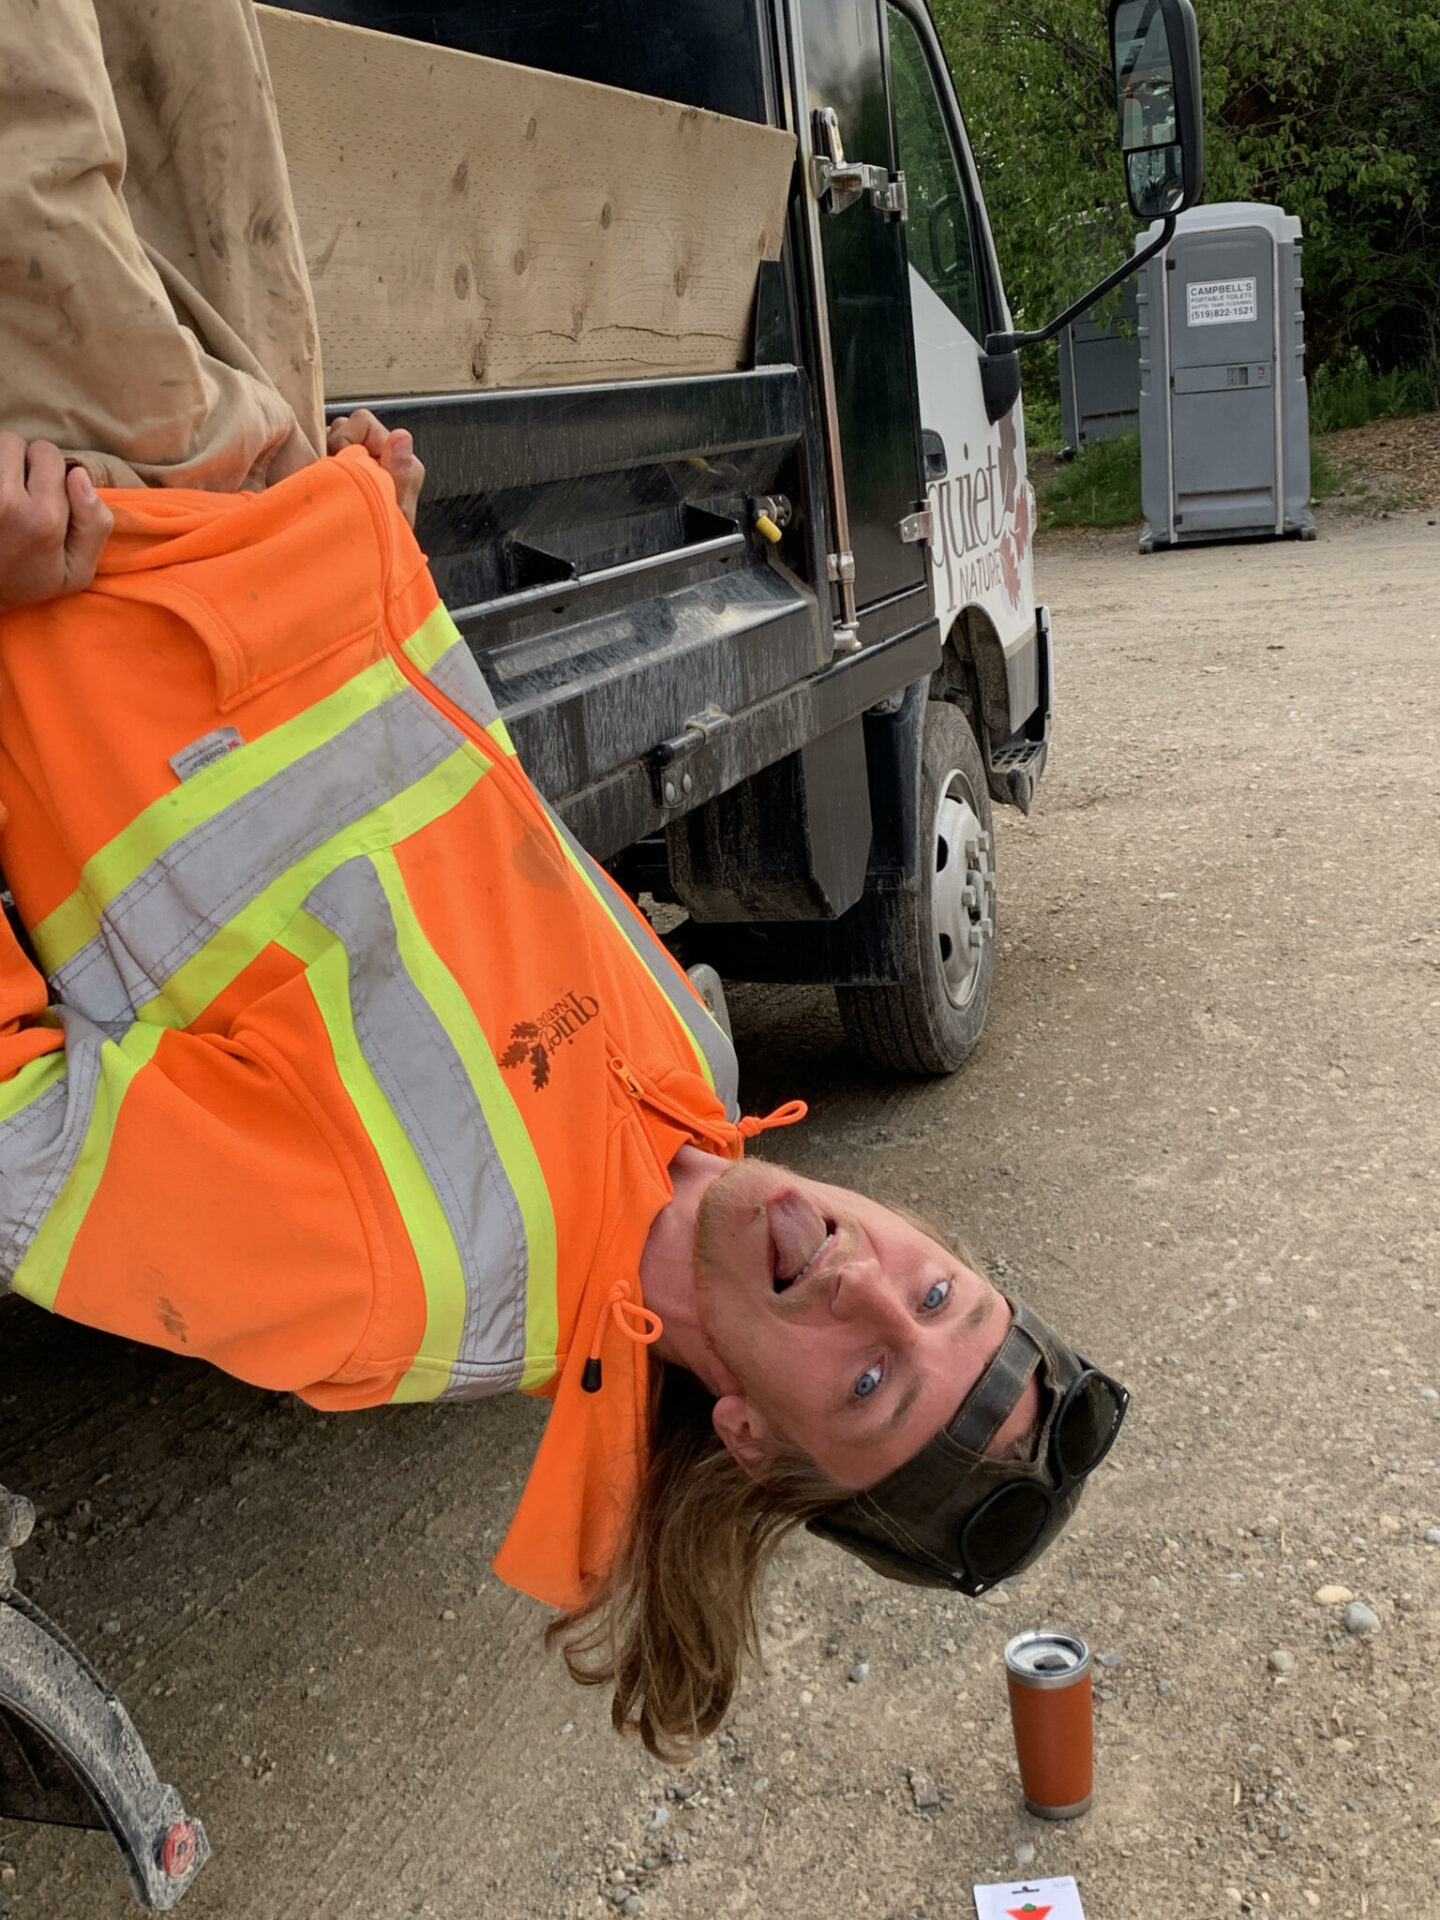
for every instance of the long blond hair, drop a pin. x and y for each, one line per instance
(674, 1620)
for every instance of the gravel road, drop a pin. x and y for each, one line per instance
(1202, 1134)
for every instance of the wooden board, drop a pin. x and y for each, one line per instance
(469, 223)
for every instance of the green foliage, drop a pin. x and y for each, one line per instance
(1044, 428)
(1348, 392)
(1328, 477)
(1100, 487)
(1329, 108)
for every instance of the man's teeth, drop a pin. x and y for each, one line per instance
(814, 1257)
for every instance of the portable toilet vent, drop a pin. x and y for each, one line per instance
(1100, 375)
(1224, 417)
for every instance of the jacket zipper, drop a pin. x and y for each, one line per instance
(646, 1096)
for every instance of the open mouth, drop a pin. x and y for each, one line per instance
(785, 1275)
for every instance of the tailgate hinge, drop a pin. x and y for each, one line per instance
(918, 527)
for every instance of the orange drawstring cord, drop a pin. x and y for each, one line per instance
(640, 1324)
(786, 1116)
(720, 1132)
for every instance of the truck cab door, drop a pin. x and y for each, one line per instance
(982, 509)
(862, 315)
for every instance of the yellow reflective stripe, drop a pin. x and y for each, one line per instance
(432, 640)
(508, 1132)
(62, 933)
(39, 1274)
(192, 987)
(639, 933)
(428, 646)
(328, 974)
(37, 1076)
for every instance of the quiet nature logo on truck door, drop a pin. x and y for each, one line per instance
(972, 542)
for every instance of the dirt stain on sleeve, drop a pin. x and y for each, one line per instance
(172, 1320)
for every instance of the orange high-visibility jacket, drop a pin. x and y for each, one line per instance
(360, 1078)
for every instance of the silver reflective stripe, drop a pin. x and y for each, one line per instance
(186, 895)
(40, 1144)
(426, 1082)
(707, 1034)
(459, 678)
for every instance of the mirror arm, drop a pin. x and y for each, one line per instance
(1008, 342)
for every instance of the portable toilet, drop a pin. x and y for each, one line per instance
(1224, 416)
(1100, 375)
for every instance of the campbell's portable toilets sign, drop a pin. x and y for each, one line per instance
(1220, 303)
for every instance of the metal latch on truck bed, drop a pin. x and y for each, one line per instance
(843, 181)
(671, 781)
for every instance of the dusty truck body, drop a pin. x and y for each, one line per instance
(741, 598)
(697, 320)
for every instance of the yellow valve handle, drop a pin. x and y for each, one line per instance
(767, 529)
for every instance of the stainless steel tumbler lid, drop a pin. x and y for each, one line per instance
(1044, 1659)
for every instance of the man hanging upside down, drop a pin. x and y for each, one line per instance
(340, 1064)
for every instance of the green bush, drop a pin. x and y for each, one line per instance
(1100, 487)
(1044, 430)
(1348, 392)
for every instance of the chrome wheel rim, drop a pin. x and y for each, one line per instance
(962, 891)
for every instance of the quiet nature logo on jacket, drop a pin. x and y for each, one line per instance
(535, 1040)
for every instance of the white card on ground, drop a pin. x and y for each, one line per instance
(1030, 1900)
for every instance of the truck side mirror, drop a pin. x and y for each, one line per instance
(1155, 47)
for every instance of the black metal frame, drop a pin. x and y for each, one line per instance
(999, 366)
(991, 290)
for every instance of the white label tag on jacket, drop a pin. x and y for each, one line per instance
(205, 751)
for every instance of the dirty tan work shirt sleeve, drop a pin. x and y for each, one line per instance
(155, 313)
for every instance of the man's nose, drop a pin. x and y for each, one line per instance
(861, 1292)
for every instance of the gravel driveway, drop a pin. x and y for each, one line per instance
(1202, 1133)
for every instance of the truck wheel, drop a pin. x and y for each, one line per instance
(946, 925)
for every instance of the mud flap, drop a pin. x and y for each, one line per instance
(69, 1752)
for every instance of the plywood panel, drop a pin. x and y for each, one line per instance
(469, 223)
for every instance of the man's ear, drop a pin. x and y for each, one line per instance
(746, 1434)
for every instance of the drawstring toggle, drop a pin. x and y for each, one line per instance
(638, 1323)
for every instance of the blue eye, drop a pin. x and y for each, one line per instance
(867, 1383)
(937, 1296)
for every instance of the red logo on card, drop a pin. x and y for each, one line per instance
(1035, 1913)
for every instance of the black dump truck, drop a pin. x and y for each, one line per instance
(764, 632)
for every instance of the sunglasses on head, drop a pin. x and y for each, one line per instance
(1009, 1524)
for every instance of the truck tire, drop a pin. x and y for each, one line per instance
(931, 1020)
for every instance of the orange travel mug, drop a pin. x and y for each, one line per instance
(1048, 1675)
